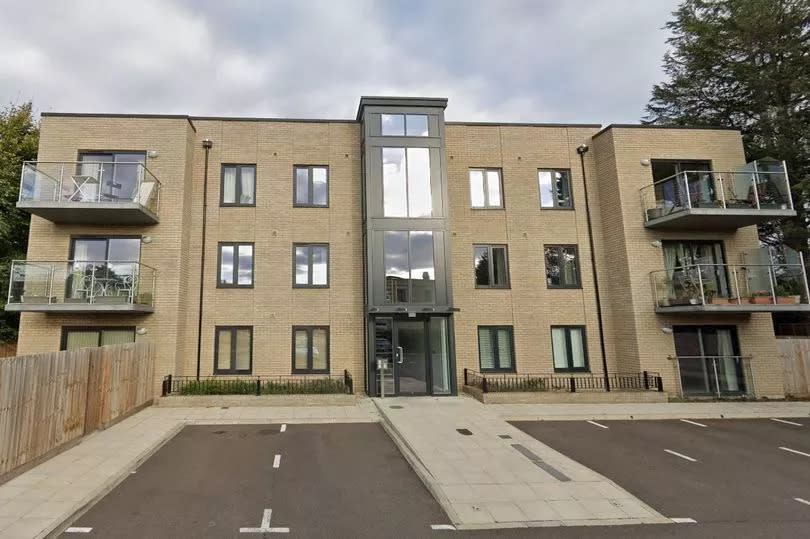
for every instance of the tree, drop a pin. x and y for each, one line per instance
(19, 139)
(745, 64)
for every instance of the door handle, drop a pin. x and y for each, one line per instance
(400, 355)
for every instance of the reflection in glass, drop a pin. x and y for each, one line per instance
(302, 185)
(422, 269)
(482, 266)
(555, 188)
(494, 187)
(477, 188)
(500, 271)
(319, 349)
(420, 202)
(243, 346)
(226, 265)
(320, 255)
(561, 266)
(439, 355)
(417, 125)
(301, 349)
(245, 276)
(395, 253)
(319, 186)
(392, 124)
(485, 188)
(395, 202)
(409, 267)
(302, 265)
(224, 349)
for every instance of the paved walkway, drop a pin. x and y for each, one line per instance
(38, 501)
(498, 476)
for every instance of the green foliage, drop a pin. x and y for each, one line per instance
(745, 64)
(268, 387)
(19, 139)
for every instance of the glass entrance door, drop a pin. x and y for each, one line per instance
(411, 357)
(709, 361)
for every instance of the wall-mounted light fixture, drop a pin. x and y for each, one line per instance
(152, 154)
(146, 239)
(141, 330)
(667, 330)
(645, 162)
(656, 243)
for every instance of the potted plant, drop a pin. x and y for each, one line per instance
(761, 297)
(785, 295)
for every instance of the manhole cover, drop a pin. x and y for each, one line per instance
(465, 432)
(504, 437)
(219, 432)
(396, 407)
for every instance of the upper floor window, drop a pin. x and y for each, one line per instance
(406, 182)
(568, 348)
(491, 268)
(238, 185)
(103, 267)
(235, 265)
(562, 266)
(311, 186)
(108, 176)
(555, 188)
(409, 125)
(485, 188)
(311, 265)
(409, 268)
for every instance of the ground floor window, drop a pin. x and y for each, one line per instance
(88, 337)
(233, 350)
(496, 348)
(310, 349)
(709, 360)
(568, 348)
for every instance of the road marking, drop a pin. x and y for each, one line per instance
(283, 427)
(277, 461)
(264, 527)
(693, 423)
(786, 422)
(684, 520)
(794, 451)
(442, 527)
(598, 424)
(690, 459)
(802, 500)
(88, 530)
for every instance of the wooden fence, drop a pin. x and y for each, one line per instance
(8, 349)
(51, 399)
(796, 359)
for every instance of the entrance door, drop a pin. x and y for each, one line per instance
(709, 360)
(411, 357)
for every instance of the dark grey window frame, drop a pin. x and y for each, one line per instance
(578, 284)
(238, 186)
(495, 349)
(67, 329)
(233, 369)
(405, 123)
(309, 204)
(309, 369)
(235, 245)
(490, 247)
(567, 172)
(568, 355)
(487, 205)
(309, 264)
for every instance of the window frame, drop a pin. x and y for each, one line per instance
(578, 284)
(309, 264)
(233, 370)
(490, 247)
(567, 171)
(67, 329)
(404, 123)
(235, 245)
(309, 370)
(310, 193)
(238, 186)
(487, 205)
(568, 350)
(497, 356)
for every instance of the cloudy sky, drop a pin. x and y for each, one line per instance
(588, 61)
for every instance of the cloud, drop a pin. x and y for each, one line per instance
(510, 60)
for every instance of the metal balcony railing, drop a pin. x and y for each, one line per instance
(727, 284)
(750, 188)
(714, 376)
(97, 282)
(89, 182)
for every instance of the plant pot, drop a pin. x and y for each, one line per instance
(762, 300)
(721, 301)
(694, 301)
(674, 302)
(788, 300)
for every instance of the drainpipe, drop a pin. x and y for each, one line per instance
(206, 143)
(581, 151)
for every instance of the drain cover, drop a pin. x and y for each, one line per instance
(465, 432)
(396, 407)
(504, 437)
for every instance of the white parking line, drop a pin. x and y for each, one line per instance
(442, 527)
(283, 427)
(693, 423)
(277, 461)
(794, 451)
(598, 424)
(786, 422)
(83, 530)
(683, 520)
(802, 500)
(690, 459)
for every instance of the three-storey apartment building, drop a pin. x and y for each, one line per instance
(405, 249)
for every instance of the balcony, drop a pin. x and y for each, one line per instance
(710, 200)
(718, 288)
(75, 286)
(90, 193)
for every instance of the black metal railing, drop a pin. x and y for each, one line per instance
(302, 384)
(506, 382)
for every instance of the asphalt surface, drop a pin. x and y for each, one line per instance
(344, 480)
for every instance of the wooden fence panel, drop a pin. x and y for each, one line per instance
(796, 359)
(50, 399)
(8, 349)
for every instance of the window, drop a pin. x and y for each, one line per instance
(562, 268)
(406, 182)
(311, 265)
(485, 188)
(410, 125)
(233, 350)
(709, 360)
(410, 274)
(107, 176)
(310, 349)
(496, 348)
(555, 189)
(235, 265)
(104, 266)
(311, 186)
(89, 337)
(568, 348)
(491, 267)
(238, 185)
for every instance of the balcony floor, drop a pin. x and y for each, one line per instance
(717, 218)
(80, 308)
(91, 213)
(717, 309)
